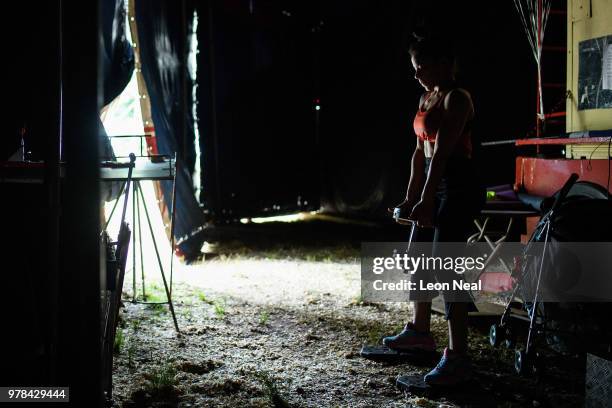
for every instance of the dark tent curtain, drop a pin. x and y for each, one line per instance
(117, 53)
(263, 63)
(256, 108)
(162, 33)
(117, 68)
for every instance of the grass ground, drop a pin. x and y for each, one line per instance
(276, 319)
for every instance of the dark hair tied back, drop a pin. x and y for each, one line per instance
(419, 34)
(435, 48)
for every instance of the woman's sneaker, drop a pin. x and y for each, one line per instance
(452, 369)
(410, 340)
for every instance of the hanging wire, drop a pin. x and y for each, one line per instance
(534, 16)
(609, 166)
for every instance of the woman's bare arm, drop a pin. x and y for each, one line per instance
(457, 110)
(417, 176)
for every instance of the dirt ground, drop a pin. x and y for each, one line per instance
(265, 324)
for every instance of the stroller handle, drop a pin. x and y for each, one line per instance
(405, 221)
(564, 191)
(400, 220)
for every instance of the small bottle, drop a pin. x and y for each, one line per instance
(396, 213)
(22, 150)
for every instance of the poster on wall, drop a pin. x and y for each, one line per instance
(595, 73)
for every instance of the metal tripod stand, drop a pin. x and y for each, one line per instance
(153, 172)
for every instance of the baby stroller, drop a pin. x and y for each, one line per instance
(579, 212)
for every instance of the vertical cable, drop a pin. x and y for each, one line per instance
(53, 174)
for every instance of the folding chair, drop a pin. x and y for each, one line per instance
(508, 207)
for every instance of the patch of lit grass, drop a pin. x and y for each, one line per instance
(357, 300)
(187, 314)
(131, 354)
(203, 298)
(135, 325)
(154, 293)
(219, 308)
(157, 308)
(119, 340)
(237, 250)
(162, 382)
(271, 390)
(163, 376)
(264, 317)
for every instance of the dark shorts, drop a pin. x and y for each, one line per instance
(459, 199)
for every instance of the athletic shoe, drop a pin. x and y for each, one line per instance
(452, 369)
(410, 340)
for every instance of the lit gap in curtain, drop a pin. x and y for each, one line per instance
(192, 66)
(124, 116)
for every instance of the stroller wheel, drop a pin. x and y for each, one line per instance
(522, 363)
(510, 338)
(538, 364)
(496, 335)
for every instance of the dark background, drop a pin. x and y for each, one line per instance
(262, 67)
(262, 64)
